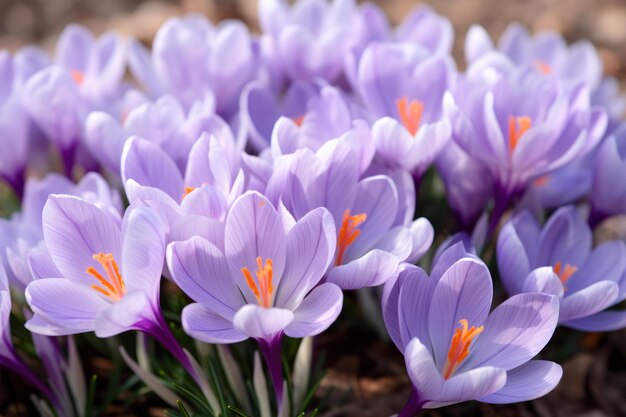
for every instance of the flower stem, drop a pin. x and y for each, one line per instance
(271, 350)
(413, 405)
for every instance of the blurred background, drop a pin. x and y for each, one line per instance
(602, 21)
(374, 377)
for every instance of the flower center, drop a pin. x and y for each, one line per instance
(78, 77)
(541, 181)
(410, 113)
(564, 273)
(188, 190)
(113, 285)
(261, 288)
(543, 67)
(459, 346)
(298, 120)
(348, 233)
(517, 127)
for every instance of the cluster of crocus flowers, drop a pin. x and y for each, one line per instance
(268, 174)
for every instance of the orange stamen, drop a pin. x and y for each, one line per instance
(298, 120)
(188, 190)
(459, 346)
(541, 181)
(566, 273)
(78, 77)
(410, 113)
(348, 233)
(517, 127)
(543, 67)
(113, 285)
(264, 290)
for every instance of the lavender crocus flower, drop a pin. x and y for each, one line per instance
(608, 192)
(520, 125)
(164, 122)
(374, 230)
(23, 232)
(546, 53)
(455, 350)
(404, 86)
(309, 39)
(192, 58)
(14, 128)
(109, 274)
(211, 183)
(558, 259)
(313, 115)
(8, 356)
(259, 279)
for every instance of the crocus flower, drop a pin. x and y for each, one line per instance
(313, 115)
(211, 183)
(455, 350)
(164, 122)
(14, 128)
(23, 231)
(608, 192)
(559, 259)
(404, 86)
(547, 53)
(8, 356)
(259, 279)
(520, 125)
(109, 274)
(192, 58)
(372, 236)
(309, 39)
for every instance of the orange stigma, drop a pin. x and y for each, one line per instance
(517, 127)
(78, 77)
(541, 181)
(348, 233)
(262, 288)
(543, 67)
(113, 285)
(459, 346)
(298, 120)
(188, 190)
(410, 113)
(564, 273)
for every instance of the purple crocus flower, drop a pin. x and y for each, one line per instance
(608, 192)
(164, 122)
(23, 232)
(468, 183)
(259, 279)
(109, 274)
(455, 350)
(8, 356)
(313, 115)
(375, 232)
(309, 39)
(403, 84)
(558, 259)
(211, 183)
(546, 53)
(14, 128)
(192, 58)
(520, 125)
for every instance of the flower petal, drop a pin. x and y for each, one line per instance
(532, 380)
(203, 324)
(69, 308)
(515, 332)
(124, 315)
(262, 323)
(75, 230)
(588, 301)
(373, 269)
(319, 309)
(310, 250)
